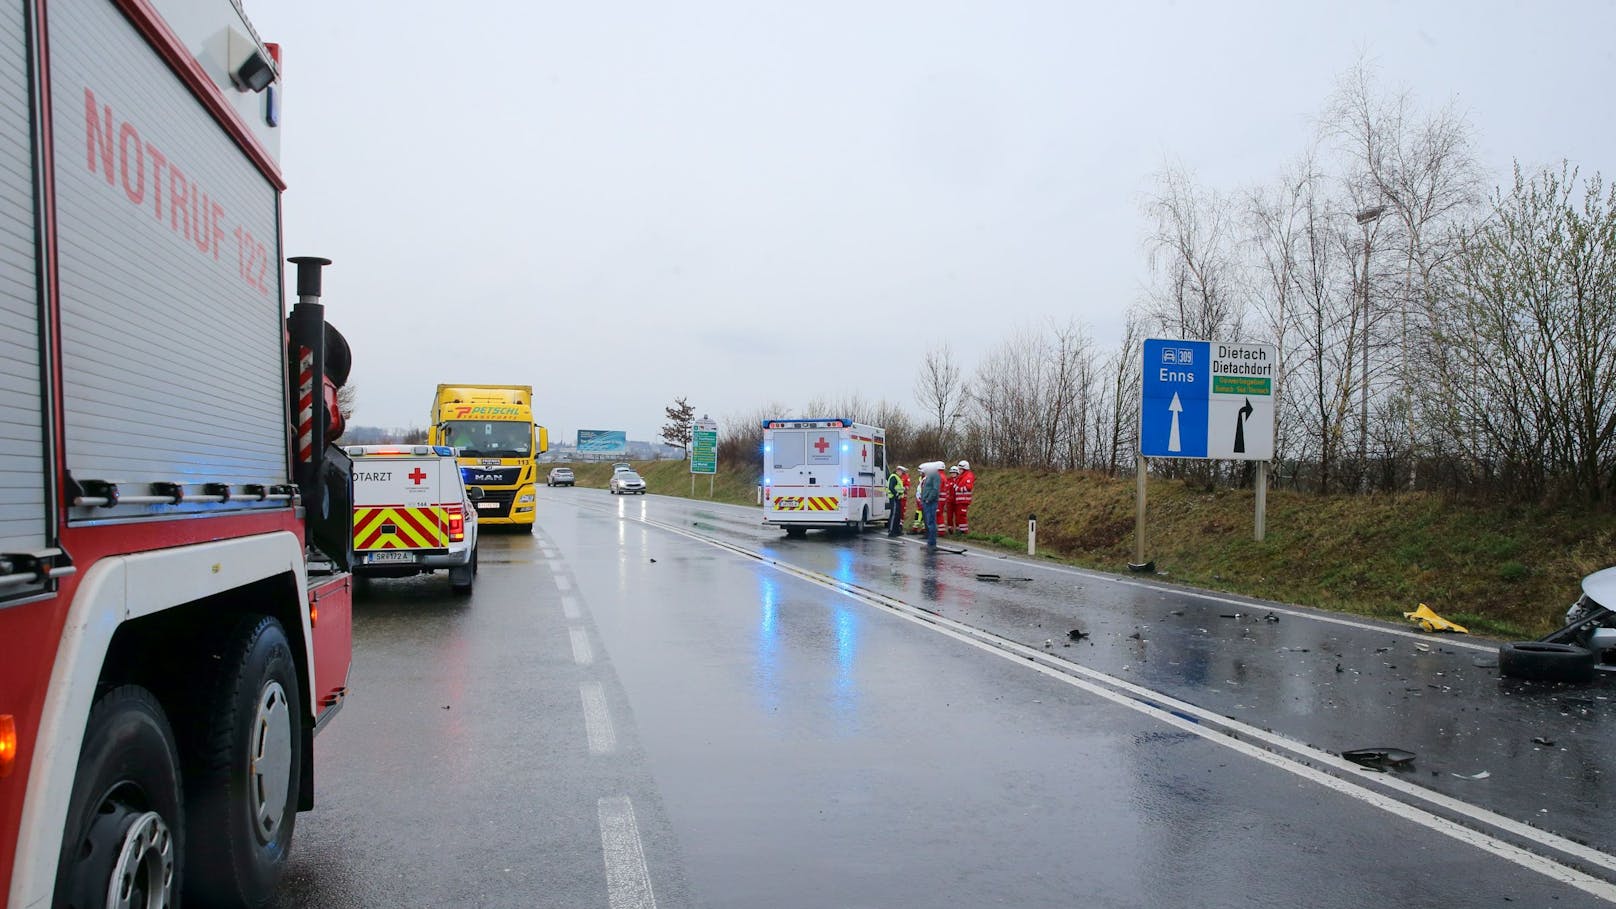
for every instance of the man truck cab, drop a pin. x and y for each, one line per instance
(825, 473)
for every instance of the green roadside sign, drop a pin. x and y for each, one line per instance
(704, 447)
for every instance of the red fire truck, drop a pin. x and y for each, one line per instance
(174, 527)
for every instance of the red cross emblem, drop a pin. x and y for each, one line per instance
(417, 475)
(821, 444)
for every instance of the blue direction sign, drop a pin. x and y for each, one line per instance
(1173, 412)
(1208, 399)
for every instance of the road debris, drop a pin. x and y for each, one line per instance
(1049, 643)
(1431, 622)
(1076, 634)
(994, 577)
(1381, 759)
(1472, 776)
(1231, 615)
(1422, 647)
(1270, 618)
(1545, 742)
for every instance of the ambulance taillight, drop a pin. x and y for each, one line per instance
(457, 523)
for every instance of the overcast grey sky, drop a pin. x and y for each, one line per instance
(746, 203)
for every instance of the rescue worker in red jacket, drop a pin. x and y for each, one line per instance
(964, 488)
(945, 503)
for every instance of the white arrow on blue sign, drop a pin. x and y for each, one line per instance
(1206, 399)
(1172, 418)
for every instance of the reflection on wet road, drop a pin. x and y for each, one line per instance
(798, 735)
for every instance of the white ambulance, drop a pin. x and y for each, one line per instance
(827, 473)
(413, 513)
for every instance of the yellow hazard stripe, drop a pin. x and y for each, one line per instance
(400, 528)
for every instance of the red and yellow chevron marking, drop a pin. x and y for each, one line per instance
(400, 527)
(806, 503)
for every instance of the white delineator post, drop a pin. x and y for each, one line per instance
(1032, 534)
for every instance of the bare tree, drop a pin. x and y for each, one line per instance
(940, 390)
(1526, 350)
(1418, 167)
(1193, 257)
(1117, 401)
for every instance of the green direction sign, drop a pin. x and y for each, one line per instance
(704, 447)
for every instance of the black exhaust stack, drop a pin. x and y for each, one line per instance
(324, 475)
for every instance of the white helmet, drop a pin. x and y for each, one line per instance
(964, 464)
(901, 469)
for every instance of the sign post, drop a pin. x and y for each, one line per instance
(1203, 400)
(704, 452)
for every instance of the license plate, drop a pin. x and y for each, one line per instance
(372, 558)
(488, 505)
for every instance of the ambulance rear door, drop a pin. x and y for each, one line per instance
(398, 509)
(805, 470)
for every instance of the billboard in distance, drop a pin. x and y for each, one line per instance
(602, 441)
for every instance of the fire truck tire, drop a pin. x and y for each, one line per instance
(526, 528)
(864, 522)
(124, 820)
(244, 783)
(1544, 662)
(796, 533)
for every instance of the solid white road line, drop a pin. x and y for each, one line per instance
(582, 653)
(1223, 731)
(597, 719)
(628, 883)
(569, 608)
(563, 583)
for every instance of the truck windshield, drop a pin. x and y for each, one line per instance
(489, 439)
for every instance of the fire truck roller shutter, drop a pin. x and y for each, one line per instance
(22, 492)
(167, 239)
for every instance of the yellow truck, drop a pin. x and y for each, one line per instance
(496, 442)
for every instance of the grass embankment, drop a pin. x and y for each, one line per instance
(1505, 570)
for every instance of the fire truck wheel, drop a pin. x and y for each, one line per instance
(864, 522)
(526, 528)
(248, 762)
(122, 844)
(796, 533)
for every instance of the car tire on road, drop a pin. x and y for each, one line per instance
(246, 771)
(124, 815)
(462, 578)
(1542, 662)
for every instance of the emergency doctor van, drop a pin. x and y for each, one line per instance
(826, 473)
(413, 514)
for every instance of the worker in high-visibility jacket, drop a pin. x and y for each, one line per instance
(918, 525)
(964, 490)
(945, 506)
(897, 487)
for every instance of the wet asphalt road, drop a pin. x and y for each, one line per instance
(625, 716)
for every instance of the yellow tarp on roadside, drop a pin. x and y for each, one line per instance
(1430, 621)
